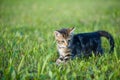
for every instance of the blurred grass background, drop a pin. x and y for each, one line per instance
(27, 44)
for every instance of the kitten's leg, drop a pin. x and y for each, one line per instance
(79, 53)
(73, 54)
(60, 60)
(99, 49)
(67, 57)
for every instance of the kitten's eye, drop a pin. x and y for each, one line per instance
(58, 41)
(68, 41)
(62, 41)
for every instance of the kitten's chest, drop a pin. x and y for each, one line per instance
(61, 52)
(64, 52)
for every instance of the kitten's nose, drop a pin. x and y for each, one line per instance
(66, 44)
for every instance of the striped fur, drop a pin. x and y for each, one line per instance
(63, 38)
(83, 44)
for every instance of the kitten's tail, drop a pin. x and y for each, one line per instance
(109, 37)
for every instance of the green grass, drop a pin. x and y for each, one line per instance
(27, 44)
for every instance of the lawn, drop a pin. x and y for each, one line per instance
(27, 44)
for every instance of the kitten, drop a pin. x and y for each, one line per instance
(63, 38)
(83, 44)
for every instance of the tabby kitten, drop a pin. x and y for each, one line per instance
(63, 38)
(83, 44)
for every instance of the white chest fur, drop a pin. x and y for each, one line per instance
(61, 52)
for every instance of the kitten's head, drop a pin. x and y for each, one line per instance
(64, 37)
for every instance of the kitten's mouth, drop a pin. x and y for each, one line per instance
(63, 47)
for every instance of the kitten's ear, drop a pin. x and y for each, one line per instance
(57, 33)
(71, 30)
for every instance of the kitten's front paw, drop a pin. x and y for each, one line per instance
(59, 61)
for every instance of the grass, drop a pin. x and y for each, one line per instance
(27, 44)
